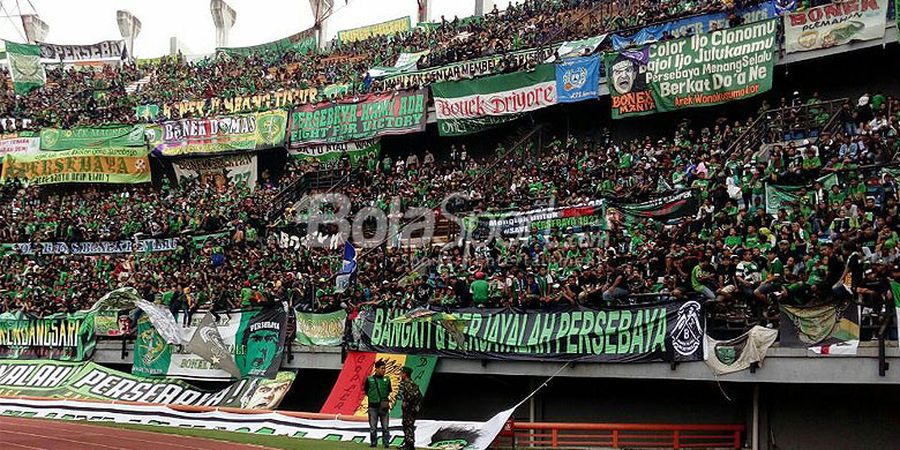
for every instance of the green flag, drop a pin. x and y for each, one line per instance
(25, 67)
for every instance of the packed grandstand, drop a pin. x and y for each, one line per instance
(314, 178)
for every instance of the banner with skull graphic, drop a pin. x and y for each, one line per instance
(669, 331)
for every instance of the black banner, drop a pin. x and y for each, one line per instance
(92, 52)
(670, 331)
(537, 221)
(261, 342)
(668, 207)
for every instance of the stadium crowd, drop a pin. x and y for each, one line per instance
(89, 96)
(731, 251)
(827, 242)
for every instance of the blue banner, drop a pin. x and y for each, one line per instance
(577, 79)
(693, 25)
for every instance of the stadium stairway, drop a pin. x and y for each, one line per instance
(790, 123)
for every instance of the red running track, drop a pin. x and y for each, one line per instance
(36, 434)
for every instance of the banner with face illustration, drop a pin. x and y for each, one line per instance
(702, 70)
(255, 338)
(671, 331)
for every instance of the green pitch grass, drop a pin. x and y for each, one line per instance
(280, 442)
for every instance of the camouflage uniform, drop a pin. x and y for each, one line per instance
(412, 398)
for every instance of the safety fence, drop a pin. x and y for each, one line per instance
(618, 435)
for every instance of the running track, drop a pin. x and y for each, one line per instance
(35, 434)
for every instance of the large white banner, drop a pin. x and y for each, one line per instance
(15, 144)
(834, 24)
(436, 434)
(236, 168)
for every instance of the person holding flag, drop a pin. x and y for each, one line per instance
(348, 270)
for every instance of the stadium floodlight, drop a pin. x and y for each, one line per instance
(129, 28)
(35, 29)
(224, 18)
(322, 10)
(483, 7)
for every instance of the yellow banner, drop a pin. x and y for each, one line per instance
(379, 29)
(107, 165)
(241, 104)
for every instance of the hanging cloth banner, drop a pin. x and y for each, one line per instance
(578, 79)
(92, 52)
(92, 137)
(302, 42)
(702, 70)
(102, 165)
(834, 24)
(824, 329)
(66, 337)
(25, 68)
(379, 29)
(348, 397)
(698, 24)
(90, 381)
(583, 47)
(434, 434)
(737, 354)
(256, 131)
(325, 330)
(367, 117)
(256, 337)
(493, 100)
(328, 156)
(671, 331)
(239, 169)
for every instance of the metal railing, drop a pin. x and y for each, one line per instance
(618, 435)
(802, 119)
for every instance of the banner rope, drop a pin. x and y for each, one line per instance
(543, 385)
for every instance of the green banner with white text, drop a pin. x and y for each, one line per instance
(90, 381)
(92, 137)
(670, 331)
(321, 329)
(702, 70)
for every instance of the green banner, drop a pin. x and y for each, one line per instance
(463, 107)
(328, 156)
(256, 131)
(62, 337)
(702, 70)
(371, 116)
(777, 196)
(147, 113)
(302, 42)
(92, 137)
(102, 165)
(462, 127)
(671, 331)
(321, 329)
(379, 29)
(90, 381)
(25, 68)
(256, 338)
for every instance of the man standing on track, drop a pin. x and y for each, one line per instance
(378, 390)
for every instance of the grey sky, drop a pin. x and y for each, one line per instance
(258, 21)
